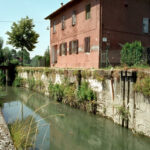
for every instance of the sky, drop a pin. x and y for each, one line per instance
(13, 10)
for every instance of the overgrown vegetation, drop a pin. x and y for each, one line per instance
(132, 53)
(84, 93)
(123, 112)
(31, 83)
(83, 97)
(143, 84)
(56, 91)
(18, 82)
(22, 137)
(2, 78)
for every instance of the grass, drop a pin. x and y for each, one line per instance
(24, 132)
(143, 86)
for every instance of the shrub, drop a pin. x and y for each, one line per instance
(2, 78)
(85, 93)
(69, 93)
(18, 82)
(123, 112)
(132, 53)
(56, 91)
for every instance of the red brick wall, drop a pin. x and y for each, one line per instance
(124, 24)
(83, 28)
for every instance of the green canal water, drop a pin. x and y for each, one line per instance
(74, 130)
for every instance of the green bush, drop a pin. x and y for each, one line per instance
(56, 91)
(2, 78)
(69, 93)
(132, 53)
(85, 93)
(18, 82)
(123, 112)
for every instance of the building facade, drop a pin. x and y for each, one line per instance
(83, 32)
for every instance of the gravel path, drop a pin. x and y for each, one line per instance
(5, 138)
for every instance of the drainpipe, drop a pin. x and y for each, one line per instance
(100, 32)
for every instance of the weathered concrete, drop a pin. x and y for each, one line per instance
(5, 138)
(115, 93)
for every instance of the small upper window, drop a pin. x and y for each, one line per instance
(73, 18)
(146, 25)
(63, 22)
(88, 11)
(54, 27)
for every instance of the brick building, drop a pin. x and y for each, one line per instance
(82, 31)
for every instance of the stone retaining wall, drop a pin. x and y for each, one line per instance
(117, 98)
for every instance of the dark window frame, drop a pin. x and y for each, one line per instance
(74, 19)
(54, 27)
(74, 47)
(88, 11)
(63, 23)
(87, 44)
(63, 49)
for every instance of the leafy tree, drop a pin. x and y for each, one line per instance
(26, 57)
(1, 54)
(1, 43)
(47, 57)
(22, 35)
(132, 53)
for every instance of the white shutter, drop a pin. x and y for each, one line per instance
(146, 25)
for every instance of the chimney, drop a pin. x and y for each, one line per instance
(62, 4)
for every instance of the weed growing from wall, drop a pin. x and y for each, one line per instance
(85, 93)
(123, 112)
(143, 85)
(31, 83)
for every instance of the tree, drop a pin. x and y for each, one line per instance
(1, 43)
(22, 35)
(1, 53)
(47, 57)
(132, 53)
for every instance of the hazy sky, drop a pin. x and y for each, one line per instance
(12, 10)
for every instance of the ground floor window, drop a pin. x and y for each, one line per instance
(54, 54)
(73, 47)
(87, 44)
(63, 49)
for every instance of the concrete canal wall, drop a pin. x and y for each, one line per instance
(6, 142)
(122, 96)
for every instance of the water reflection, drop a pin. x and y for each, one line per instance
(67, 128)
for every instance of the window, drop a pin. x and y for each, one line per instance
(73, 47)
(146, 25)
(74, 18)
(63, 23)
(88, 11)
(54, 54)
(87, 44)
(63, 49)
(54, 27)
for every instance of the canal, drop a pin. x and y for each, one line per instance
(63, 128)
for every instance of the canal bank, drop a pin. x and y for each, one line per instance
(6, 142)
(118, 94)
(62, 128)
